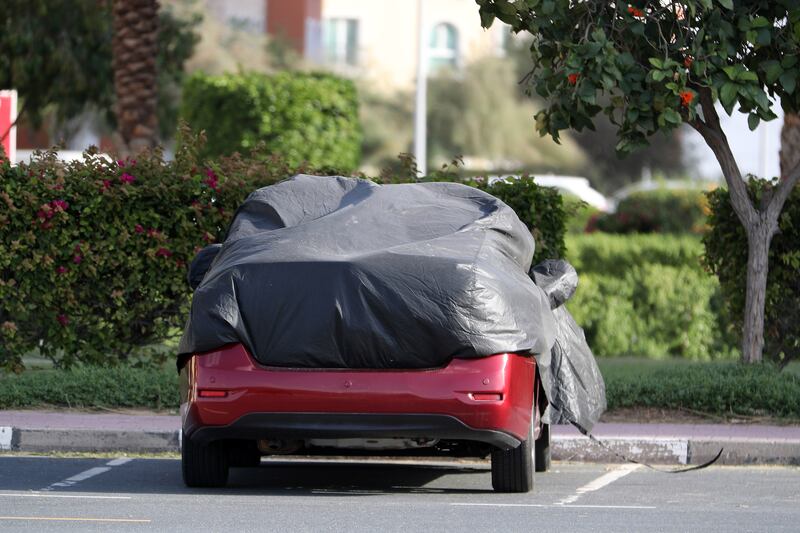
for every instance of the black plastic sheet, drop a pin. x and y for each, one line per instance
(334, 272)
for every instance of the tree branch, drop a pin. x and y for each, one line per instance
(782, 193)
(711, 131)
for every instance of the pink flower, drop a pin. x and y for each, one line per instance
(62, 269)
(163, 252)
(120, 163)
(77, 259)
(59, 204)
(63, 320)
(77, 249)
(152, 232)
(106, 185)
(126, 178)
(138, 228)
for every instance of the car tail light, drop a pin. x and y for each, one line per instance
(209, 393)
(487, 396)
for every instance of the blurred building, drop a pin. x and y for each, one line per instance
(377, 39)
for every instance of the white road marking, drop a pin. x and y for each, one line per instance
(76, 519)
(86, 474)
(554, 505)
(599, 483)
(51, 495)
(5, 437)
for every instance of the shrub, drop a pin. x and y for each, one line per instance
(306, 118)
(540, 208)
(726, 256)
(716, 388)
(84, 387)
(657, 211)
(647, 295)
(93, 253)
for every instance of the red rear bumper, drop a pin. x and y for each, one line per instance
(488, 399)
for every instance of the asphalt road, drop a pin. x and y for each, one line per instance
(58, 494)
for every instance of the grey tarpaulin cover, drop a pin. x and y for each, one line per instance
(571, 378)
(334, 272)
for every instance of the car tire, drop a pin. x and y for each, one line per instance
(542, 449)
(512, 470)
(204, 465)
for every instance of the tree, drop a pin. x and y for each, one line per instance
(57, 54)
(135, 47)
(790, 143)
(662, 64)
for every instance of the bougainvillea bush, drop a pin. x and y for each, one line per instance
(93, 253)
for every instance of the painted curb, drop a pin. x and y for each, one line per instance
(665, 451)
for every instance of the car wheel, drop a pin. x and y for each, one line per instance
(542, 449)
(204, 465)
(512, 470)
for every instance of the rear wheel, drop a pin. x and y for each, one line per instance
(542, 449)
(512, 470)
(204, 465)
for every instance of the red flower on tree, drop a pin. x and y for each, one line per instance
(163, 252)
(62, 269)
(127, 178)
(211, 180)
(63, 320)
(635, 12)
(138, 228)
(687, 62)
(573, 78)
(686, 98)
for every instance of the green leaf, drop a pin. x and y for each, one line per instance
(727, 95)
(487, 16)
(789, 81)
(727, 4)
(752, 121)
(656, 62)
(732, 71)
(772, 69)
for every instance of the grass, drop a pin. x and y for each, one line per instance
(717, 388)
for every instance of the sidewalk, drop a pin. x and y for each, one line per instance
(43, 431)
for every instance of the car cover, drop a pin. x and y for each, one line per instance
(335, 272)
(570, 376)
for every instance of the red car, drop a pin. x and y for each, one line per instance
(234, 410)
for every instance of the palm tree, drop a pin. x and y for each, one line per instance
(790, 143)
(135, 46)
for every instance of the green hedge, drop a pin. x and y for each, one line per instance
(91, 386)
(647, 295)
(714, 388)
(726, 256)
(93, 254)
(657, 211)
(306, 118)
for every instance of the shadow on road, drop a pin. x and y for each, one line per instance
(163, 476)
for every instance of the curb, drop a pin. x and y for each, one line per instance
(669, 451)
(678, 451)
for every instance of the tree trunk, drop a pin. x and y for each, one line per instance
(758, 241)
(790, 143)
(134, 49)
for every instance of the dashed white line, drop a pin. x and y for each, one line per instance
(599, 483)
(86, 474)
(51, 495)
(553, 505)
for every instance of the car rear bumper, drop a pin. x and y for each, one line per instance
(487, 400)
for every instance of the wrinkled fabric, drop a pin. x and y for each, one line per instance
(334, 272)
(572, 381)
(557, 278)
